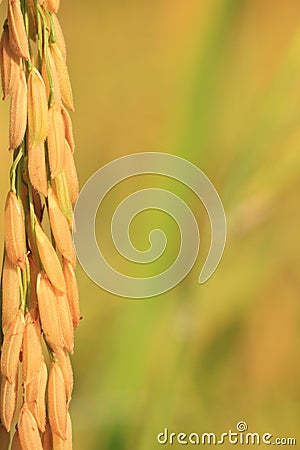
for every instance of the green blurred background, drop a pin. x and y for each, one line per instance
(218, 83)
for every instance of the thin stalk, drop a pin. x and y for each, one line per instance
(46, 53)
(39, 34)
(52, 34)
(13, 170)
(22, 291)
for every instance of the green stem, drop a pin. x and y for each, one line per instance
(14, 174)
(46, 53)
(26, 22)
(52, 34)
(22, 290)
(39, 33)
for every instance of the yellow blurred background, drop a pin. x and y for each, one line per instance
(218, 83)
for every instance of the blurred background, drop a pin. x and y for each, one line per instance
(218, 83)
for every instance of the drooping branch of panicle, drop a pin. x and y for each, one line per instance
(39, 295)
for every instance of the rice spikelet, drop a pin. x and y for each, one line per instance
(17, 34)
(10, 293)
(60, 444)
(49, 259)
(49, 313)
(32, 349)
(60, 229)
(18, 111)
(68, 128)
(10, 65)
(72, 292)
(64, 362)
(11, 347)
(71, 175)
(63, 194)
(63, 76)
(14, 231)
(66, 324)
(41, 398)
(8, 401)
(37, 168)
(28, 430)
(35, 396)
(37, 109)
(59, 36)
(56, 141)
(57, 402)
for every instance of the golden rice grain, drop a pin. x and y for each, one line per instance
(10, 293)
(18, 111)
(41, 398)
(65, 319)
(63, 194)
(35, 396)
(68, 128)
(64, 362)
(37, 106)
(56, 141)
(63, 76)
(72, 292)
(37, 168)
(59, 36)
(28, 430)
(49, 313)
(4, 438)
(14, 231)
(17, 34)
(60, 229)
(10, 65)
(57, 402)
(71, 175)
(11, 347)
(8, 401)
(32, 349)
(49, 259)
(59, 443)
